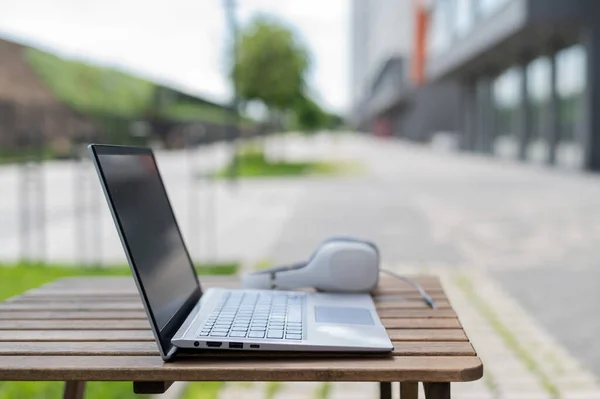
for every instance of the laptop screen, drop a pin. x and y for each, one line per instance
(152, 237)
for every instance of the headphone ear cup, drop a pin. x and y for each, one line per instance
(354, 269)
(336, 266)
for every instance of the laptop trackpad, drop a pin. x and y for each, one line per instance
(343, 315)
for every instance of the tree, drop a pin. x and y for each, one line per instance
(308, 116)
(271, 65)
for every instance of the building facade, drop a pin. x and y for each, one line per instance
(381, 45)
(522, 76)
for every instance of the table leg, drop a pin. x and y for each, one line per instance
(437, 390)
(151, 387)
(409, 390)
(74, 390)
(385, 390)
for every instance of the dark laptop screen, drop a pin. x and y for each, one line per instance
(147, 222)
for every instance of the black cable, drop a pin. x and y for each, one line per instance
(426, 297)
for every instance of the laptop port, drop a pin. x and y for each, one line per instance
(254, 346)
(236, 345)
(214, 344)
(196, 344)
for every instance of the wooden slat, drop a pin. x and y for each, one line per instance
(416, 313)
(405, 291)
(152, 368)
(421, 323)
(78, 348)
(25, 304)
(411, 295)
(70, 298)
(399, 286)
(142, 348)
(74, 315)
(95, 303)
(392, 323)
(414, 304)
(59, 294)
(113, 282)
(428, 335)
(44, 291)
(75, 335)
(146, 335)
(118, 306)
(125, 283)
(82, 306)
(432, 348)
(440, 299)
(422, 279)
(74, 325)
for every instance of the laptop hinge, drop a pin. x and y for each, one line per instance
(171, 354)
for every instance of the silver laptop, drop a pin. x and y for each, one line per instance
(183, 316)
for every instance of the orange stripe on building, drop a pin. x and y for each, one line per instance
(420, 42)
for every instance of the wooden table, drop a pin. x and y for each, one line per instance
(95, 329)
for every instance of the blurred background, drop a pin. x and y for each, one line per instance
(459, 135)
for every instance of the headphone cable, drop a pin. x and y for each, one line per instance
(426, 297)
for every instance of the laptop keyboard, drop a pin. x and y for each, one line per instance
(265, 315)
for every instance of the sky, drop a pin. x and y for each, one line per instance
(180, 42)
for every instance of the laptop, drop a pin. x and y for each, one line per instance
(185, 317)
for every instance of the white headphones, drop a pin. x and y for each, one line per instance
(340, 264)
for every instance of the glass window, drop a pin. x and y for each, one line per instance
(539, 88)
(489, 7)
(570, 81)
(507, 105)
(464, 17)
(441, 28)
(570, 85)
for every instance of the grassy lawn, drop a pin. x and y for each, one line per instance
(17, 278)
(253, 163)
(89, 88)
(202, 390)
(94, 90)
(189, 112)
(12, 156)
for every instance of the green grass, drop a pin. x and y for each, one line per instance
(263, 264)
(465, 284)
(94, 90)
(202, 390)
(323, 391)
(89, 88)
(272, 389)
(54, 390)
(253, 163)
(190, 112)
(12, 156)
(17, 278)
(20, 277)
